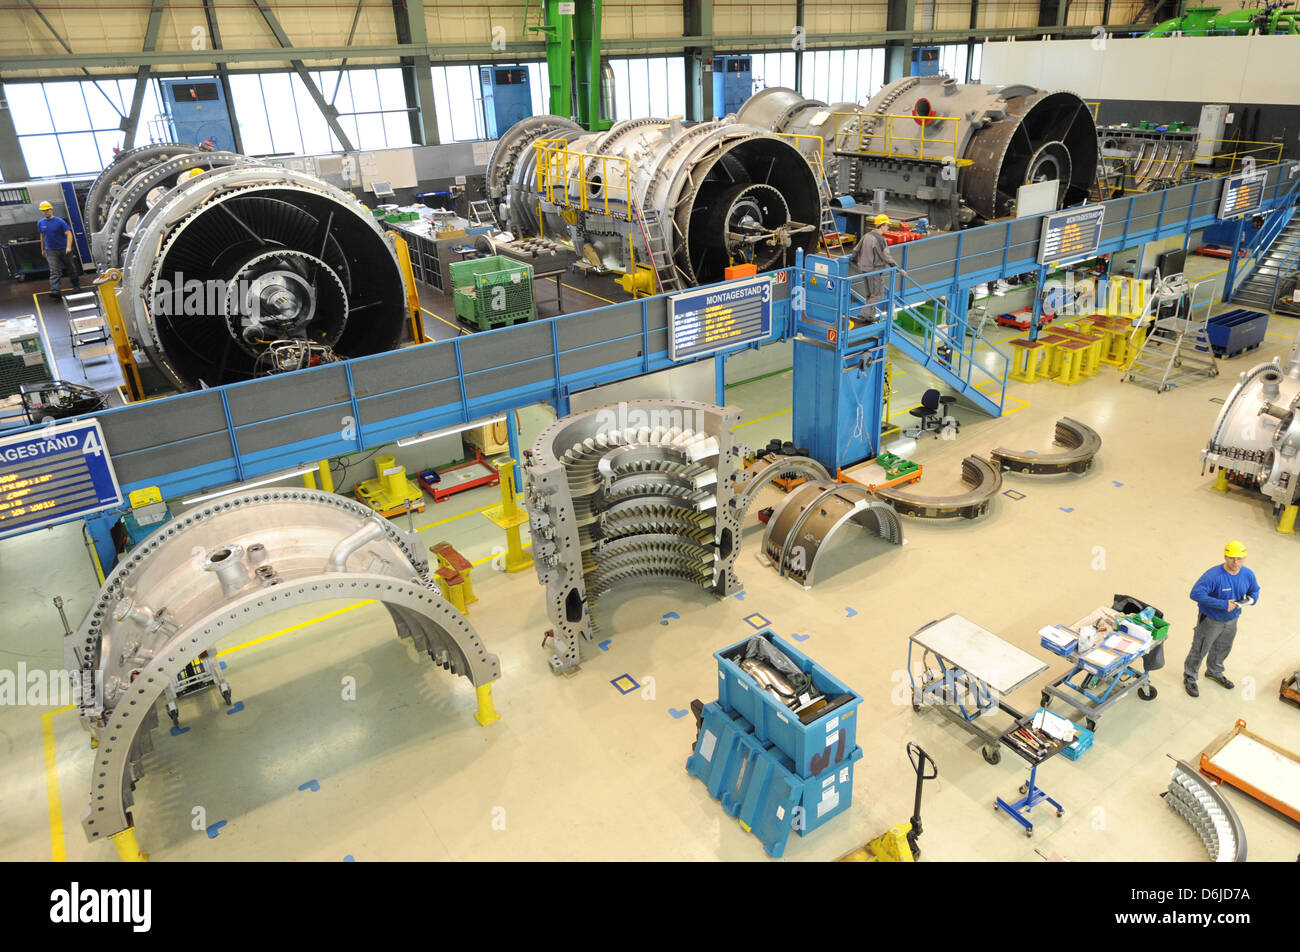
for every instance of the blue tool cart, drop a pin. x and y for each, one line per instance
(778, 748)
(1031, 794)
(1099, 679)
(965, 672)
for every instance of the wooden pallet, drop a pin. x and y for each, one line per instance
(1289, 691)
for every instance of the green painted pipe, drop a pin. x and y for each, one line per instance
(1208, 21)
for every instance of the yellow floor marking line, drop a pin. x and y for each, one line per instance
(459, 329)
(45, 335)
(58, 848)
(292, 628)
(494, 555)
(472, 512)
(762, 418)
(589, 294)
(1023, 403)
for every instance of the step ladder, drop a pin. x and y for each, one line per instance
(480, 213)
(88, 328)
(1177, 348)
(832, 243)
(658, 252)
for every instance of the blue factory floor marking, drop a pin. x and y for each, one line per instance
(222, 664)
(1012, 494)
(757, 621)
(603, 645)
(677, 713)
(1065, 509)
(178, 731)
(625, 684)
(349, 858)
(1116, 482)
(740, 596)
(851, 611)
(1216, 399)
(668, 615)
(215, 828)
(312, 785)
(799, 637)
(235, 708)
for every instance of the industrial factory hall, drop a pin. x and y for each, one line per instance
(617, 432)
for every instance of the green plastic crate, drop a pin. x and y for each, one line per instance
(492, 291)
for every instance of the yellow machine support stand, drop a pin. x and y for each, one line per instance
(106, 284)
(510, 517)
(128, 847)
(1287, 522)
(403, 251)
(390, 492)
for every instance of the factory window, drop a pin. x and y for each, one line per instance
(774, 69)
(654, 87)
(71, 128)
(277, 113)
(836, 76)
(976, 58)
(952, 61)
(458, 101)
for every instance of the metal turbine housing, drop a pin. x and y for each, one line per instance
(629, 492)
(724, 192)
(323, 271)
(1012, 136)
(1257, 435)
(217, 568)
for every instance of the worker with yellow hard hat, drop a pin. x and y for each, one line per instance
(1220, 594)
(56, 242)
(873, 255)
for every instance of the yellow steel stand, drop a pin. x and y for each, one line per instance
(326, 477)
(510, 517)
(890, 847)
(1026, 356)
(486, 713)
(449, 558)
(309, 480)
(1221, 481)
(390, 493)
(1287, 522)
(128, 847)
(106, 285)
(403, 251)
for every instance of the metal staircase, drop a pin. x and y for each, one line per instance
(1177, 348)
(946, 348)
(1261, 286)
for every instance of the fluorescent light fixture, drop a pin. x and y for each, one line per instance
(240, 487)
(421, 437)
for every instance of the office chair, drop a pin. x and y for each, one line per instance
(927, 414)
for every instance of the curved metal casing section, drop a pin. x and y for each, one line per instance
(212, 571)
(125, 166)
(983, 478)
(707, 183)
(627, 492)
(1256, 437)
(1208, 811)
(134, 197)
(1082, 444)
(229, 231)
(803, 523)
(765, 469)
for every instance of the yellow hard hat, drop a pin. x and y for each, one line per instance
(1234, 550)
(45, 205)
(880, 220)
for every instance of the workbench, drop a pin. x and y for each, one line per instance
(975, 670)
(1092, 691)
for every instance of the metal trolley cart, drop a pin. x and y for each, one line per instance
(203, 672)
(968, 671)
(1099, 679)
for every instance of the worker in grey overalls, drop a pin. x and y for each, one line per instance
(872, 255)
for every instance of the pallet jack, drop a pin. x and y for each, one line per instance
(899, 843)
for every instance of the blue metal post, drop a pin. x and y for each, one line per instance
(720, 379)
(1038, 303)
(1230, 278)
(512, 442)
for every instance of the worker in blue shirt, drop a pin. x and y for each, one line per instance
(56, 242)
(1219, 593)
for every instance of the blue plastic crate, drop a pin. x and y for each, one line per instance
(1234, 331)
(812, 747)
(827, 795)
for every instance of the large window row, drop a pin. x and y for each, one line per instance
(73, 127)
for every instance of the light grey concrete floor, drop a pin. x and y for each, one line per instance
(574, 769)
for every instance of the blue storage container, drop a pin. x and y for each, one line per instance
(1235, 331)
(827, 795)
(813, 747)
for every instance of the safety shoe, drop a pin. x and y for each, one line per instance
(1222, 679)
(1191, 688)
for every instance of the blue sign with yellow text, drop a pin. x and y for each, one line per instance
(54, 474)
(721, 317)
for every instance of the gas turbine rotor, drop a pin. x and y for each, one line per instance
(285, 294)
